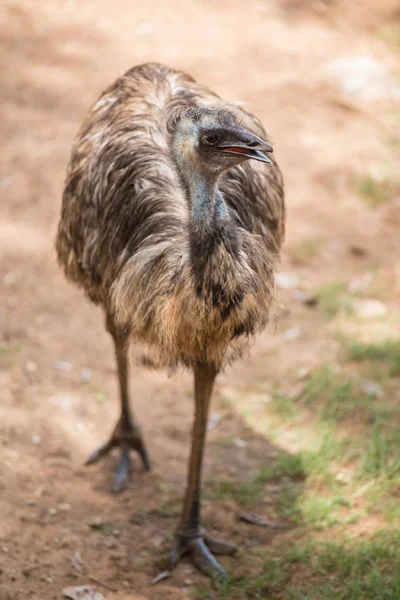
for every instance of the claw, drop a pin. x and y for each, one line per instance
(127, 438)
(144, 455)
(200, 550)
(100, 452)
(205, 561)
(122, 471)
(218, 546)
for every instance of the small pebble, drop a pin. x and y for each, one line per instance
(52, 511)
(239, 443)
(6, 182)
(31, 366)
(292, 334)
(5, 549)
(214, 421)
(36, 439)
(305, 298)
(342, 477)
(110, 541)
(369, 308)
(96, 522)
(361, 283)
(64, 507)
(145, 28)
(302, 373)
(370, 388)
(86, 375)
(82, 592)
(61, 365)
(77, 561)
(286, 281)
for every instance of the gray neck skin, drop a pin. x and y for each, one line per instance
(206, 205)
(210, 222)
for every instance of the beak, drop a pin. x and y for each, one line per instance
(247, 144)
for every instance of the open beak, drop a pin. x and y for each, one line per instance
(247, 144)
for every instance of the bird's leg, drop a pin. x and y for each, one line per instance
(126, 434)
(190, 537)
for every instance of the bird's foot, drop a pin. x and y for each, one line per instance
(127, 437)
(200, 546)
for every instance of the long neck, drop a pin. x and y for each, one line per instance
(207, 207)
(213, 235)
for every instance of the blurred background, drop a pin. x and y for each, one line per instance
(305, 431)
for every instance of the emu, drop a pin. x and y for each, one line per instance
(172, 220)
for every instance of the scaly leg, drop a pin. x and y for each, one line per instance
(191, 538)
(126, 434)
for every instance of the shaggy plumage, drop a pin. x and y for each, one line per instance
(127, 238)
(169, 226)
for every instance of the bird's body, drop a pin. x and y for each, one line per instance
(126, 234)
(174, 233)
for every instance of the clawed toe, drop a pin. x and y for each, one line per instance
(126, 438)
(122, 471)
(200, 549)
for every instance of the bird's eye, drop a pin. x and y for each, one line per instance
(211, 139)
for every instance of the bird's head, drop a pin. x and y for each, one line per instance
(212, 140)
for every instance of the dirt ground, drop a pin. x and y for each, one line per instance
(56, 57)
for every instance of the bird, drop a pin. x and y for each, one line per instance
(172, 220)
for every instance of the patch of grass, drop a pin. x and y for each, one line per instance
(334, 299)
(319, 461)
(332, 392)
(319, 511)
(283, 406)
(382, 456)
(375, 192)
(9, 352)
(243, 492)
(305, 250)
(226, 441)
(362, 570)
(391, 35)
(170, 509)
(286, 465)
(140, 517)
(387, 351)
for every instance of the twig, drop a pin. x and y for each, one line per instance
(255, 520)
(160, 577)
(104, 585)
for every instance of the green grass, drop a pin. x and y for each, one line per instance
(333, 393)
(334, 299)
(362, 570)
(305, 250)
(286, 465)
(9, 352)
(244, 493)
(322, 511)
(226, 442)
(283, 406)
(373, 191)
(381, 459)
(387, 352)
(390, 33)
(343, 478)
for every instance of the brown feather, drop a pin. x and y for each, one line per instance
(125, 234)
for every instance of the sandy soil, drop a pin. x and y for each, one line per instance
(56, 57)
